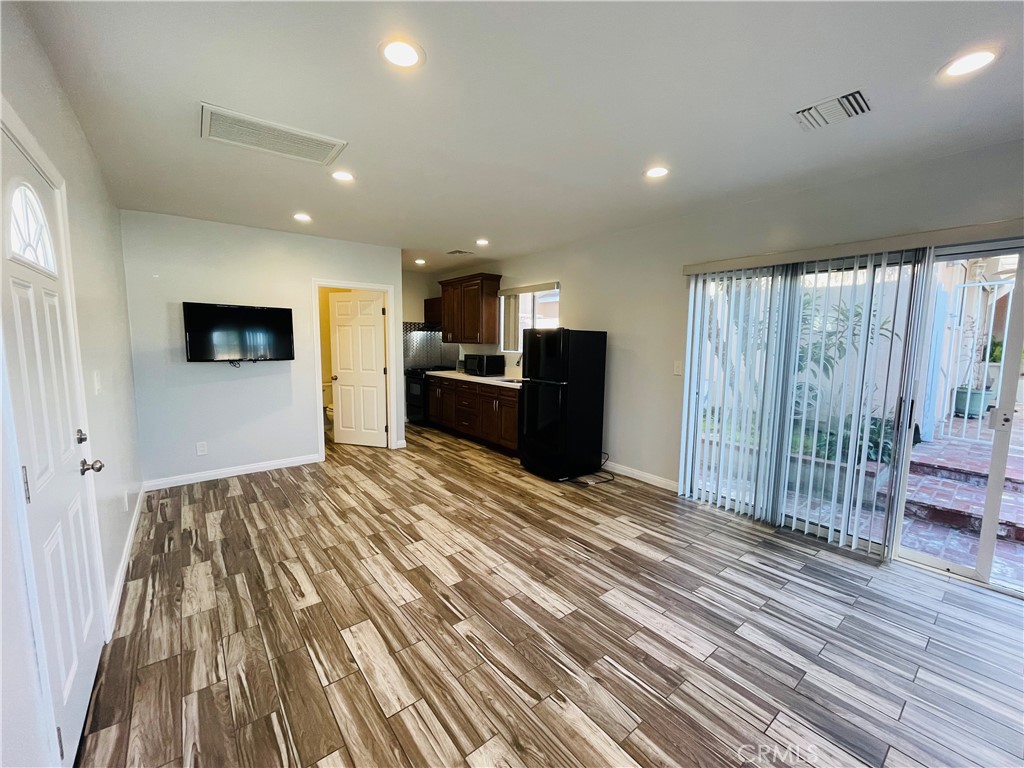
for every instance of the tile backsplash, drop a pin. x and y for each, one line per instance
(423, 348)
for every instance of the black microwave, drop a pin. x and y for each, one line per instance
(485, 365)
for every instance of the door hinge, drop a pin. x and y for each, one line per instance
(385, 429)
(60, 743)
(383, 310)
(385, 370)
(24, 482)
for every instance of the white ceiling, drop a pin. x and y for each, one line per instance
(529, 123)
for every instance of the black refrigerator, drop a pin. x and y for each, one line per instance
(561, 404)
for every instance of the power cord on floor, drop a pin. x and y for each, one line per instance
(604, 475)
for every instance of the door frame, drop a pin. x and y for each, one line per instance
(18, 132)
(982, 571)
(391, 381)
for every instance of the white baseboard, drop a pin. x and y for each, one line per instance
(114, 599)
(400, 444)
(644, 477)
(217, 474)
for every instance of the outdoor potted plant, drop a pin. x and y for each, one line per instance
(972, 396)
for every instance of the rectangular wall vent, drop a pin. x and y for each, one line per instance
(832, 111)
(245, 131)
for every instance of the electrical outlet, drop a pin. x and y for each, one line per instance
(97, 383)
(201, 448)
(126, 508)
(677, 368)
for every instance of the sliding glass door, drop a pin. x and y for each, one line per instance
(875, 402)
(963, 494)
(729, 457)
(843, 396)
(795, 393)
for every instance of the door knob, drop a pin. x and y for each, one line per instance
(80, 436)
(96, 466)
(334, 378)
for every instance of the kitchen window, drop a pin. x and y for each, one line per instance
(531, 306)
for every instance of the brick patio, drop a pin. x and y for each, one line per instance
(946, 500)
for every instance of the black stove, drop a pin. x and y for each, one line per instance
(416, 392)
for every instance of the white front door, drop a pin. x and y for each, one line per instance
(358, 368)
(42, 363)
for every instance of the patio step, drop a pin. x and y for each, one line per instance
(959, 504)
(977, 478)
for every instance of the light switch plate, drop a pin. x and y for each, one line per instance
(201, 448)
(677, 368)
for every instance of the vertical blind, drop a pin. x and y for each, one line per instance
(732, 366)
(795, 379)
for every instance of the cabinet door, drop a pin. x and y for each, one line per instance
(432, 311)
(451, 313)
(508, 423)
(472, 312)
(488, 411)
(434, 403)
(448, 406)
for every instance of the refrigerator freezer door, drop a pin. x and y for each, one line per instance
(545, 354)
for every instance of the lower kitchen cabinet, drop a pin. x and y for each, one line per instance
(488, 422)
(508, 422)
(483, 412)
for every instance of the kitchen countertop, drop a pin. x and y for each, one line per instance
(491, 380)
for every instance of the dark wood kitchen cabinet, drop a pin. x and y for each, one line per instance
(451, 312)
(488, 422)
(441, 406)
(508, 421)
(479, 411)
(469, 309)
(432, 311)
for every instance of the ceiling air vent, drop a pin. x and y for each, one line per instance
(244, 131)
(457, 252)
(832, 110)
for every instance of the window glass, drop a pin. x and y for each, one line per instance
(531, 310)
(30, 235)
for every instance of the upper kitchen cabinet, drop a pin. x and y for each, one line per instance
(469, 309)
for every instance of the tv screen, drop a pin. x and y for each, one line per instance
(228, 333)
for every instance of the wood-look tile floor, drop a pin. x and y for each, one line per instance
(437, 606)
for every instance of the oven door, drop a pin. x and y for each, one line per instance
(416, 400)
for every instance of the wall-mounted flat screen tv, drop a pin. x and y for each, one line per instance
(230, 333)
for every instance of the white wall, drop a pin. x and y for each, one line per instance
(631, 283)
(31, 88)
(262, 412)
(417, 286)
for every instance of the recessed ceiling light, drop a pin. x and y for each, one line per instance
(402, 53)
(656, 172)
(305, 218)
(483, 241)
(972, 62)
(421, 262)
(342, 176)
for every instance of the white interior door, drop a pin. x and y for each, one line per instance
(358, 362)
(42, 362)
